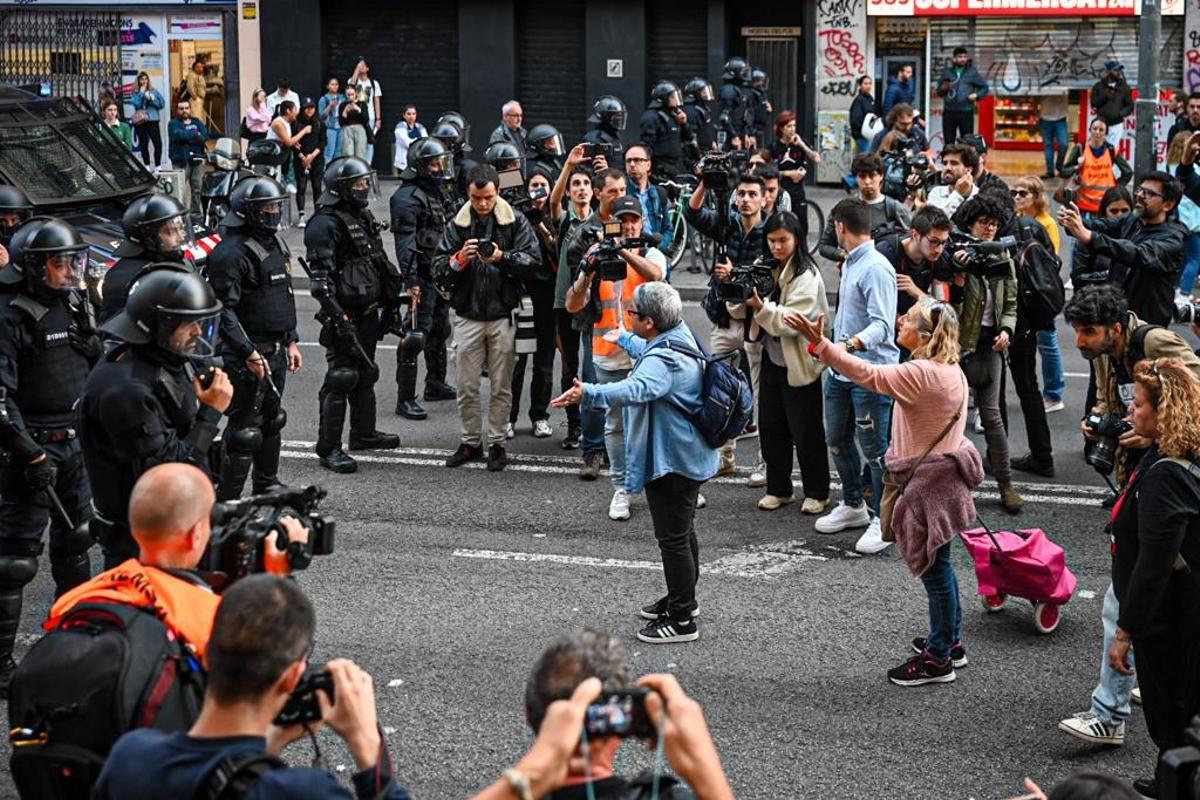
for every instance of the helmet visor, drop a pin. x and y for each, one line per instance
(362, 188)
(171, 236)
(618, 119)
(11, 219)
(191, 336)
(672, 99)
(705, 93)
(272, 215)
(554, 145)
(440, 166)
(65, 270)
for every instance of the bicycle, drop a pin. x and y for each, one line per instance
(684, 236)
(815, 221)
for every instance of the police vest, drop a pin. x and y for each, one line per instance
(668, 145)
(268, 305)
(431, 224)
(358, 277)
(51, 373)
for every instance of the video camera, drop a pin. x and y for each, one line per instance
(986, 260)
(608, 264)
(720, 170)
(1107, 428)
(745, 279)
(1178, 773)
(1185, 310)
(240, 529)
(899, 164)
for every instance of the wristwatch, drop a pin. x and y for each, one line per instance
(519, 783)
(851, 344)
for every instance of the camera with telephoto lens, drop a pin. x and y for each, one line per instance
(1185, 310)
(608, 264)
(745, 279)
(902, 161)
(1107, 428)
(720, 170)
(240, 529)
(988, 260)
(485, 247)
(1178, 773)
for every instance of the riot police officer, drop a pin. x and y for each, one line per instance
(664, 128)
(697, 94)
(733, 117)
(452, 137)
(15, 208)
(47, 345)
(153, 399)
(609, 116)
(157, 230)
(351, 278)
(504, 156)
(421, 207)
(546, 145)
(760, 108)
(251, 274)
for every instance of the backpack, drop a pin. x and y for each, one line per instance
(726, 402)
(1040, 292)
(107, 668)
(231, 779)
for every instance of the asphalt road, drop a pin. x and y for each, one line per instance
(446, 585)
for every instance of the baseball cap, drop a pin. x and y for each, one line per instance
(308, 102)
(627, 205)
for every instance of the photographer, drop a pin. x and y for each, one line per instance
(485, 253)
(988, 316)
(258, 654)
(663, 453)
(790, 413)
(1148, 244)
(983, 177)
(584, 661)
(959, 162)
(888, 215)
(902, 132)
(1089, 270)
(920, 258)
(1156, 541)
(609, 305)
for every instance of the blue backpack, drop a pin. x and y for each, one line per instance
(726, 402)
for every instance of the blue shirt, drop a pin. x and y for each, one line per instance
(867, 305)
(150, 105)
(147, 764)
(655, 220)
(659, 439)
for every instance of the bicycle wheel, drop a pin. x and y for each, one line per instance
(816, 223)
(679, 241)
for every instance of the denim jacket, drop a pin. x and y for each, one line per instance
(659, 439)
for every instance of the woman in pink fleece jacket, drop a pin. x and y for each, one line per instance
(929, 391)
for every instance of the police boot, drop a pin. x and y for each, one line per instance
(240, 445)
(265, 476)
(338, 383)
(436, 387)
(406, 384)
(363, 434)
(15, 572)
(69, 571)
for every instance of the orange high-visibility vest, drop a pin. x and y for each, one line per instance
(609, 302)
(1095, 178)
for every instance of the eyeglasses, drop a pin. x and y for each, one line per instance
(636, 313)
(1021, 193)
(636, 160)
(1146, 192)
(934, 242)
(988, 223)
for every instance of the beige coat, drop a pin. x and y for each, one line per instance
(803, 293)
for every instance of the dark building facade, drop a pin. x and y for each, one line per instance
(554, 56)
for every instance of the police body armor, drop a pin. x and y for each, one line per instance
(53, 372)
(360, 272)
(431, 225)
(271, 308)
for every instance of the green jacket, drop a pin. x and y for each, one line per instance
(970, 310)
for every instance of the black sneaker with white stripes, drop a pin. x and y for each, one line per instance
(958, 653)
(665, 630)
(659, 608)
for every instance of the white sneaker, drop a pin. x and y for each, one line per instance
(871, 542)
(618, 508)
(1087, 726)
(300, 223)
(701, 501)
(509, 431)
(842, 517)
(812, 505)
(979, 423)
(758, 478)
(1052, 405)
(541, 429)
(1136, 696)
(770, 502)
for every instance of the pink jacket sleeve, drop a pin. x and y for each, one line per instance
(904, 382)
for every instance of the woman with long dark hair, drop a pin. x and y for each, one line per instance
(147, 102)
(792, 154)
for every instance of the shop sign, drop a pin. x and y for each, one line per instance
(778, 32)
(998, 8)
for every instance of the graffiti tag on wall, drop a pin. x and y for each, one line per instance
(841, 58)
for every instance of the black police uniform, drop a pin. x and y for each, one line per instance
(251, 274)
(732, 110)
(599, 135)
(420, 210)
(699, 122)
(115, 287)
(350, 278)
(664, 135)
(760, 116)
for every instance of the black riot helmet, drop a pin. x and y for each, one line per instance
(458, 119)
(698, 91)
(15, 208)
(737, 70)
(546, 141)
(504, 156)
(259, 202)
(157, 224)
(609, 112)
(173, 309)
(348, 179)
(431, 159)
(758, 78)
(450, 135)
(42, 246)
(665, 95)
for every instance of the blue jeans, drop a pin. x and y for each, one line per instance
(1053, 381)
(614, 431)
(1054, 130)
(945, 610)
(333, 143)
(1191, 263)
(591, 420)
(1110, 698)
(852, 412)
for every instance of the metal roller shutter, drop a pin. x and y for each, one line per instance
(551, 77)
(1021, 55)
(676, 42)
(421, 66)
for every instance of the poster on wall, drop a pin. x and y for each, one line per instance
(142, 44)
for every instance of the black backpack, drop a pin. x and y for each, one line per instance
(1040, 292)
(726, 401)
(106, 669)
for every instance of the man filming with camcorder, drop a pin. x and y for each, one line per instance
(262, 694)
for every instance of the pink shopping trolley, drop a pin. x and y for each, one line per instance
(1021, 564)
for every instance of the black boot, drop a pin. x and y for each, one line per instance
(338, 461)
(69, 571)
(10, 620)
(235, 466)
(406, 385)
(333, 420)
(265, 476)
(436, 387)
(374, 440)
(439, 390)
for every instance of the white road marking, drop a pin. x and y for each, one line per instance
(553, 558)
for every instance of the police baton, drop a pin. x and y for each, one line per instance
(58, 506)
(266, 365)
(355, 345)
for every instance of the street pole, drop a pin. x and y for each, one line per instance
(1150, 41)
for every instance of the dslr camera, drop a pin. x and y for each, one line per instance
(302, 706)
(1185, 310)
(485, 247)
(899, 164)
(744, 279)
(608, 264)
(1107, 428)
(986, 260)
(240, 529)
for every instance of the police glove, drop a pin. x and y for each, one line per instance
(40, 473)
(87, 343)
(346, 332)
